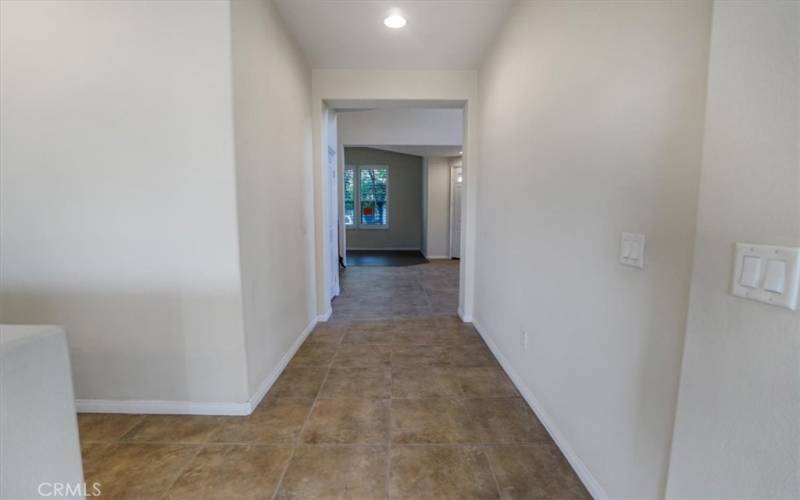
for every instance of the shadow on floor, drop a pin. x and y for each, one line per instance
(391, 258)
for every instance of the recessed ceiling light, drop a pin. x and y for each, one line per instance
(395, 21)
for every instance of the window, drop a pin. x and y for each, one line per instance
(366, 197)
(374, 193)
(349, 197)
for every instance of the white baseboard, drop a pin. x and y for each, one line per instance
(270, 379)
(324, 316)
(195, 408)
(466, 318)
(589, 481)
(437, 257)
(161, 407)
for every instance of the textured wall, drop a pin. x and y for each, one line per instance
(591, 125)
(737, 431)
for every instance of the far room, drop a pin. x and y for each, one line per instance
(399, 203)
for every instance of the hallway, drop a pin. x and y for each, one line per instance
(394, 397)
(183, 183)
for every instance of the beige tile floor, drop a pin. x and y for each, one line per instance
(392, 398)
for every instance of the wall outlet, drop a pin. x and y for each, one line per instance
(524, 340)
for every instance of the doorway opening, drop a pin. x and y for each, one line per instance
(398, 194)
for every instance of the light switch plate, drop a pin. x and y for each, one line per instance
(631, 250)
(771, 260)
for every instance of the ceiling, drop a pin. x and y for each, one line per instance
(422, 150)
(349, 34)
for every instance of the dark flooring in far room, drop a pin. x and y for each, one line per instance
(391, 258)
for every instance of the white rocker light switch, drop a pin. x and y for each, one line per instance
(751, 271)
(776, 276)
(767, 274)
(631, 250)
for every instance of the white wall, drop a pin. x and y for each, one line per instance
(424, 238)
(737, 431)
(39, 442)
(437, 215)
(591, 120)
(335, 165)
(402, 126)
(272, 91)
(118, 196)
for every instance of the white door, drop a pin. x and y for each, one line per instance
(456, 185)
(333, 223)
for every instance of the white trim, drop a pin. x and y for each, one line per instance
(197, 408)
(323, 317)
(589, 481)
(161, 407)
(435, 257)
(452, 166)
(465, 318)
(340, 90)
(270, 379)
(332, 224)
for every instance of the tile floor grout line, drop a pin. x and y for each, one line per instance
(491, 469)
(348, 445)
(389, 431)
(287, 445)
(183, 470)
(136, 424)
(300, 432)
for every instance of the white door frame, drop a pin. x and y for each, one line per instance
(333, 219)
(452, 167)
(348, 89)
